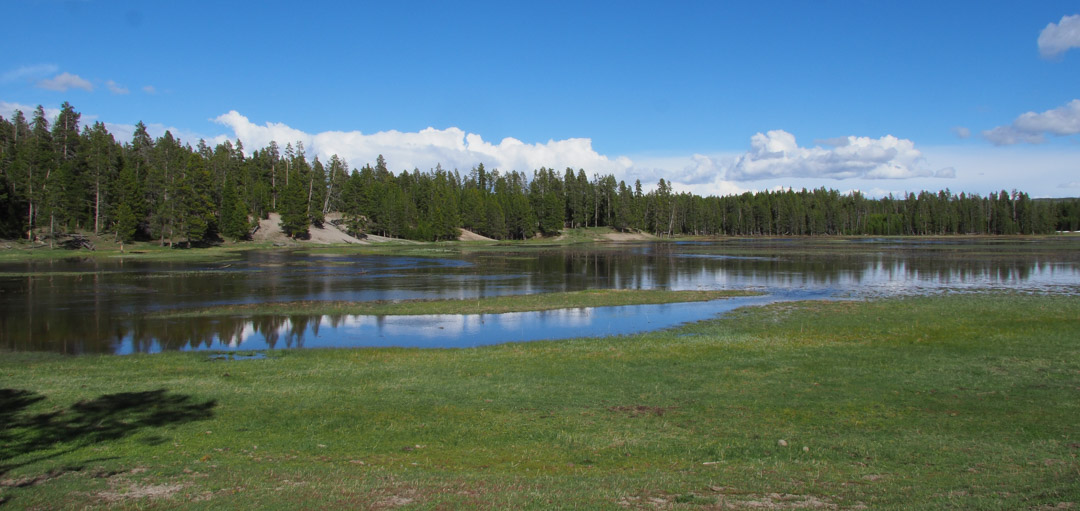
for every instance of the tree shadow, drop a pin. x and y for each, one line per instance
(27, 437)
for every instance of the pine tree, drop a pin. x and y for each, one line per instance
(316, 193)
(444, 212)
(101, 164)
(234, 214)
(339, 175)
(42, 163)
(66, 193)
(294, 219)
(546, 197)
(167, 163)
(126, 223)
(17, 162)
(196, 206)
(9, 217)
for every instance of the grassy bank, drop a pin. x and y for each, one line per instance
(968, 402)
(20, 251)
(488, 305)
(958, 246)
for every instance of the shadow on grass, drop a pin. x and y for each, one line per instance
(27, 437)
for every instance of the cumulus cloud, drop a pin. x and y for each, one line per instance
(1032, 127)
(150, 89)
(776, 154)
(424, 149)
(961, 132)
(1058, 38)
(702, 169)
(116, 88)
(31, 73)
(64, 81)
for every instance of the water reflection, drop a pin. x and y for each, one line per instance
(100, 306)
(427, 331)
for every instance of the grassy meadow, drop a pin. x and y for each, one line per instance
(961, 401)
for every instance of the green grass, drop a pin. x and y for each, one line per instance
(488, 305)
(966, 402)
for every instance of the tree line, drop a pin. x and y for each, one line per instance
(59, 176)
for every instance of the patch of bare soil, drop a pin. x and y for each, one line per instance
(723, 498)
(150, 491)
(23, 482)
(472, 236)
(628, 236)
(393, 501)
(270, 230)
(640, 410)
(786, 501)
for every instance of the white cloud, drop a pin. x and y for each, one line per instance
(693, 170)
(776, 154)
(1032, 127)
(8, 111)
(947, 173)
(703, 169)
(149, 89)
(1058, 38)
(64, 81)
(1038, 171)
(34, 72)
(451, 147)
(961, 132)
(116, 88)
(124, 133)
(718, 188)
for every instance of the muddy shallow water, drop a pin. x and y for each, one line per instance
(104, 306)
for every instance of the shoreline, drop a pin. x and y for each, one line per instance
(20, 251)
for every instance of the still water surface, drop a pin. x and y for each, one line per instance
(84, 306)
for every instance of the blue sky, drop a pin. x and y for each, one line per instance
(717, 97)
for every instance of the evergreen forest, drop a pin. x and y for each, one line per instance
(59, 176)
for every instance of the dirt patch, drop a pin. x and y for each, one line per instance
(727, 498)
(393, 501)
(23, 482)
(628, 236)
(270, 230)
(1060, 505)
(641, 410)
(150, 491)
(472, 236)
(785, 501)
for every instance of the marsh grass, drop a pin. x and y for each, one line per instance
(487, 305)
(967, 402)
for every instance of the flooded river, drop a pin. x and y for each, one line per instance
(109, 306)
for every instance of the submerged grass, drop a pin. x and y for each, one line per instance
(487, 305)
(966, 402)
